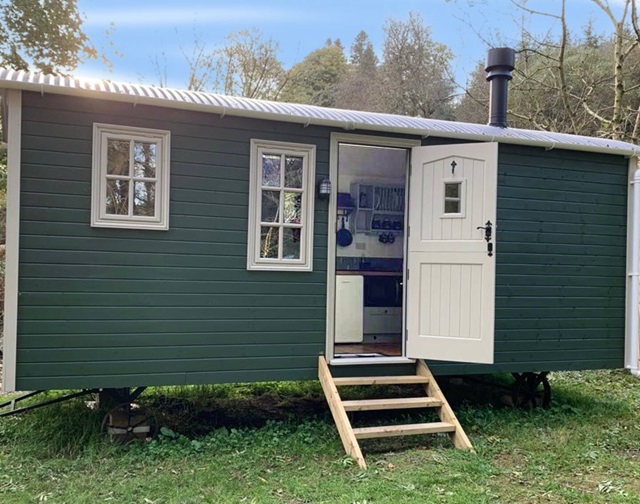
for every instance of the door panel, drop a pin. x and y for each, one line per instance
(451, 279)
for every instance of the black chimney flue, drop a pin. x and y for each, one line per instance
(500, 62)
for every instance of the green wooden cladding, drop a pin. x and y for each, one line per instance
(115, 308)
(561, 262)
(110, 307)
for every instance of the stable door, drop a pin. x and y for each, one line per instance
(451, 252)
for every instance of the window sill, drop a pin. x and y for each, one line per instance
(153, 226)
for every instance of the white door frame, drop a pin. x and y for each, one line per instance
(370, 140)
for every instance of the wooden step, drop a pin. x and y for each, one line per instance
(433, 398)
(387, 404)
(403, 430)
(380, 380)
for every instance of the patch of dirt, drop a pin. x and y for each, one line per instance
(199, 418)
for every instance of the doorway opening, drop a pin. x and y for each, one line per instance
(370, 251)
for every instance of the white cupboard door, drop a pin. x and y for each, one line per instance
(451, 265)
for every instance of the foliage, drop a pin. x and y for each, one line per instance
(583, 449)
(473, 106)
(413, 77)
(3, 169)
(583, 83)
(360, 87)
(315, 79)
(416, 73)
(44, 34)
(246, 65)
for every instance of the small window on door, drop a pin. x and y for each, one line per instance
(453, 198)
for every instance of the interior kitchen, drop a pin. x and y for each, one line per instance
(370, 243)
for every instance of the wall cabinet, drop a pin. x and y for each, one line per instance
(378, 208)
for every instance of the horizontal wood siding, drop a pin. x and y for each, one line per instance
(560, 252)
(114, 308)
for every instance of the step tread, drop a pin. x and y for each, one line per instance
(380, 380)
(392, 403)
(403, 430)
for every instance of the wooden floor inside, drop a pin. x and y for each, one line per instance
(386, 349)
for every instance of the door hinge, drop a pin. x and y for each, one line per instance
(408, 231)
(405, 287)
(406, 334)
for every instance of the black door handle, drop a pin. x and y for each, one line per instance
(487, 236)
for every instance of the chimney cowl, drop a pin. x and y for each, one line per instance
(500, 63)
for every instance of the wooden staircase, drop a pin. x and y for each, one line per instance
(433, 399)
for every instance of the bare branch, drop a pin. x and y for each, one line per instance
(522, 6)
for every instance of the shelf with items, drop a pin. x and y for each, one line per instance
(387, 221)
(378, 208)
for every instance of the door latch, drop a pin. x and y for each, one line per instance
(487, 236)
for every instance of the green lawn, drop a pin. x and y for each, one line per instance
(586, 448)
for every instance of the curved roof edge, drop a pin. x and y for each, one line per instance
(304, 114)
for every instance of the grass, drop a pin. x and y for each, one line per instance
(279, 445)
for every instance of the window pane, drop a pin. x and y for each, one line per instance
(291, 243)
(270, 206)
(293, 172)
(269, 242)
(270, 170)
(144, 199)
(452, 190)
(118, 157)
(292, 207)
(117, 197)
(452, 206)
(144, 159)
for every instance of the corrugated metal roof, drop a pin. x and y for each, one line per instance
(304, 114)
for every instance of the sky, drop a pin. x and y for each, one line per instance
(142, 31)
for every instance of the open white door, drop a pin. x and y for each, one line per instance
(451, 265)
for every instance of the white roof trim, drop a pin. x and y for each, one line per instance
(305, 114)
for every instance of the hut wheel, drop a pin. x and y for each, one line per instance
(128, 422)
(531, 390)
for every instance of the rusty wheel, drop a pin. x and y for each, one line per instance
(531, 390)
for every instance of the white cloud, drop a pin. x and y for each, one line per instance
(179, 16)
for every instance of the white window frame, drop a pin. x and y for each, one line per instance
(463, 196)
(308, 153)
(99, 218)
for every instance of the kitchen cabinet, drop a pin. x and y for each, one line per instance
(349, 309)
(382, 320)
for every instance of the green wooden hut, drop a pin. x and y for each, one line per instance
(161, 237)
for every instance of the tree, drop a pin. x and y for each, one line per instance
(315, 79)
(416, 71)
(474, 103)
(359, 89)
(246, 65)
(46, 35)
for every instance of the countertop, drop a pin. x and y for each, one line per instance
(368, 273)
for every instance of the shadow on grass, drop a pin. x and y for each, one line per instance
(68, 428)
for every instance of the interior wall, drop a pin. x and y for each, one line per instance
(377, 165)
